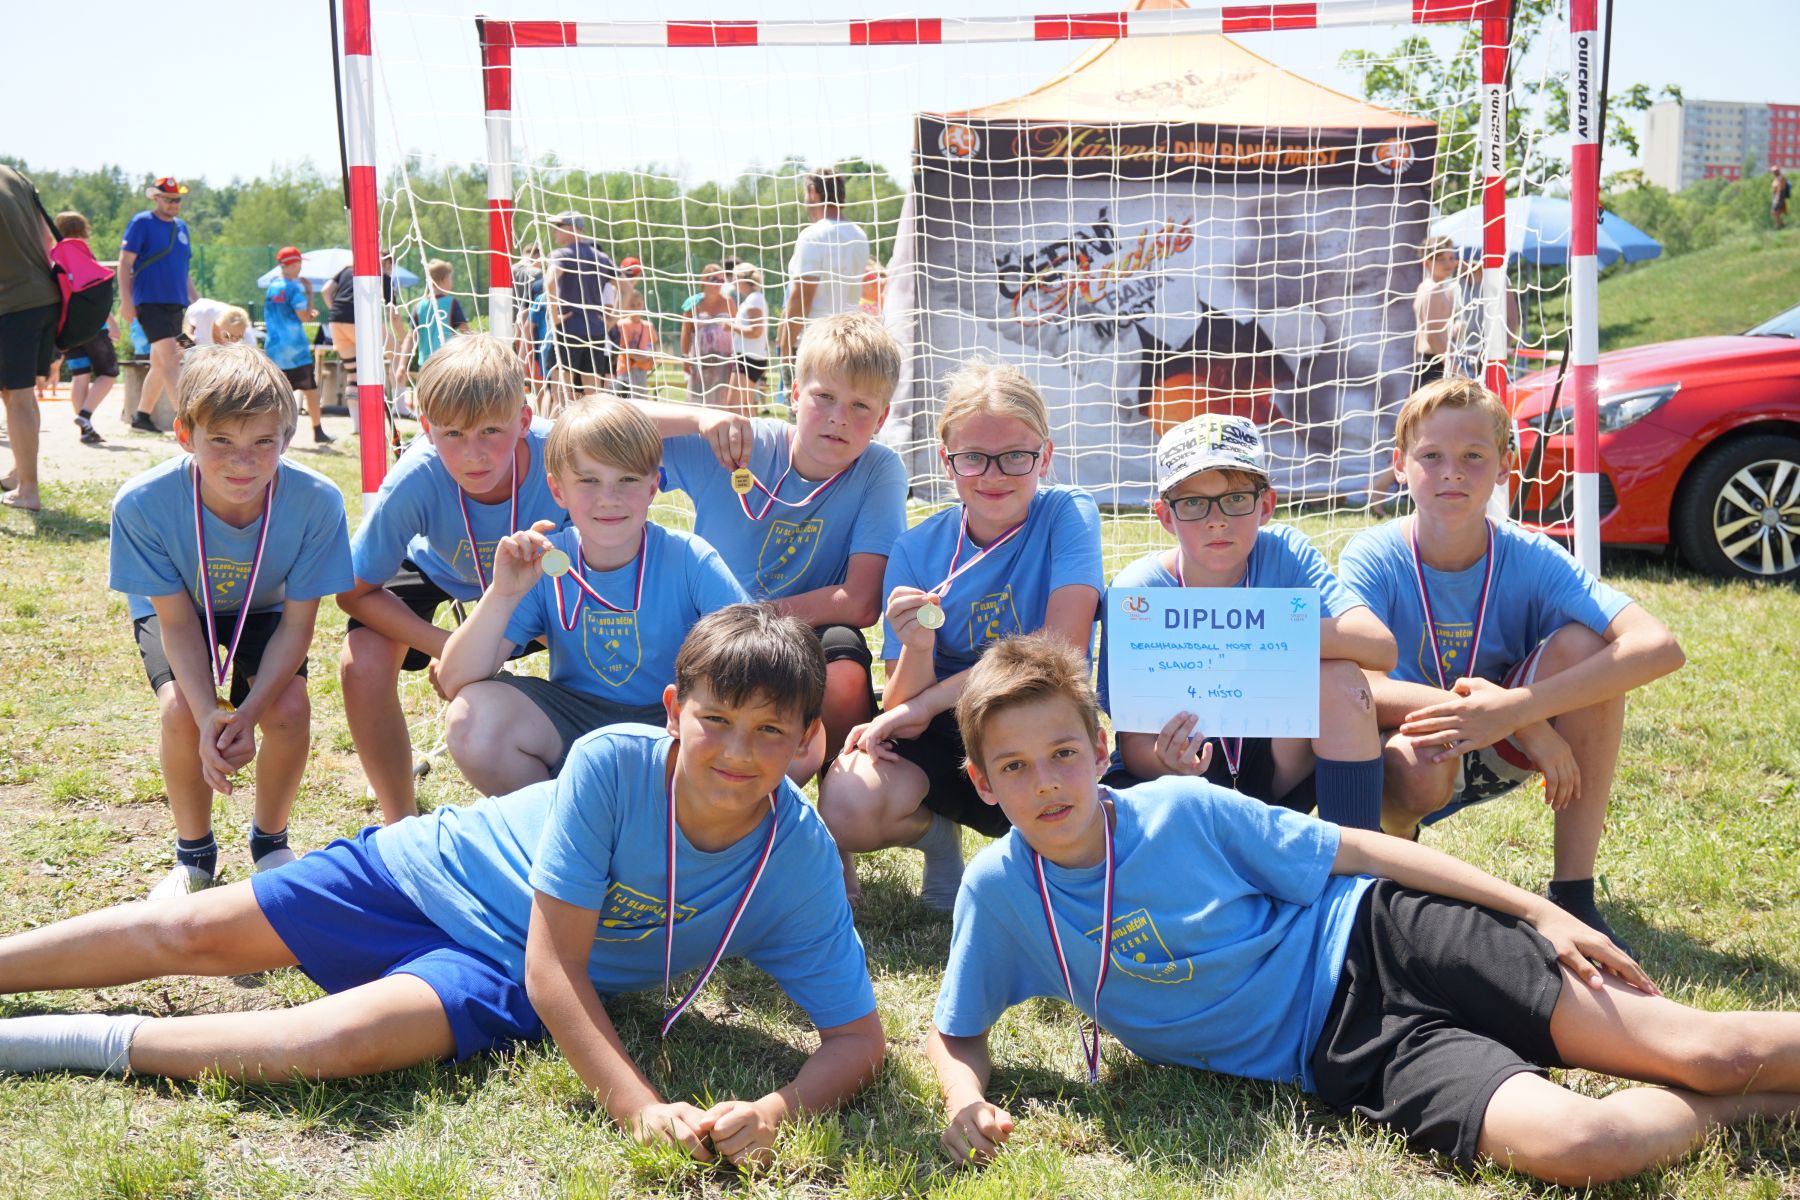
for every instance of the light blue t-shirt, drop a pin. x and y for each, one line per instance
(1008, 591)
(625, 657)
(1537, 589)
(791, 550)
(1280, 557)
(153, 553)
(596, 837)
(1228, 933)
(284, 337)
(416, 515)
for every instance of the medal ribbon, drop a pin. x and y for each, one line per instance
(1089, 1051)
(579, 573)
(730, 926)
(1233, 747)
(1487, 580)
(943, 588)
(222, 666)
(773, 499)
(512, 524)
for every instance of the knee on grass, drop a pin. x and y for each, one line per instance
(1416, 787)
(1581, 1144)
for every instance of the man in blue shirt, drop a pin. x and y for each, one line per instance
(286, 305)
(155, 289)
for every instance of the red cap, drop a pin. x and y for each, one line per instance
(631, 266)
(166, 186)
(288, 254)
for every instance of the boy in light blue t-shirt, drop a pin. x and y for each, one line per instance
(286, 306)
(1015, 556)
(1215, 498)
(1513, 661)
(624, 595)
(1203, 929)
(821, 505)
(225, 552)
(429, 538)
(514, 917)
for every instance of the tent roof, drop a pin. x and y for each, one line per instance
(1200, 79)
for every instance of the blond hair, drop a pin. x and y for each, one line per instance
(231, 317)
(72, 224)
(1453, 393)
(474, 377)
(440, 272)
(995, 389)
(220, 384)
(1018, 670)
(852, 346)
(614, 432)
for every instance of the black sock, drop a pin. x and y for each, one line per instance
(1349, 793)
(1576, 897)
(262, 843)
(82, 417)
(198, 852)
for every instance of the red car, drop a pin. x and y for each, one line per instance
(1699, 449)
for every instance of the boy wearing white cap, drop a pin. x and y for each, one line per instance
(1216, 499)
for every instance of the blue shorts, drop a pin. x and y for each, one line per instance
(342, 915)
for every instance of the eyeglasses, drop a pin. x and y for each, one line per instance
(970, 463)
(1232, 504)
(171, 199)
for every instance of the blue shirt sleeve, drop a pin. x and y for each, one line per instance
(900, 573)
(574, 856)
(1308, 566)
(322, 566)
(138, 558)
(984, 975)
(684, 458)
(1275, 850)
(457, 319)
(532, 616)
(388, 527)
(881, 519)
(1566, 593)
(711, 584)
(817, 958)
(135, 231)
(1075, 544)
(1364, 575)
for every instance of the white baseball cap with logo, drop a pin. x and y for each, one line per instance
(1210, 442)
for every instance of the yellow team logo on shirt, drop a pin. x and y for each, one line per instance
(787, 551)
(229, 579)
(1453, 638)
(610, 642)
(461, 563)
(992, 617)
(1139, 950)
(628, 915)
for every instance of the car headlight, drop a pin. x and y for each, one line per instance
(1616, 411)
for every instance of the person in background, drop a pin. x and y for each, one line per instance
(29, 306)
(706, 338)
(580, 284)
(1780, 188)
(339, 295)
(155, 288)
(287, 304)
(435, 319)
(94, 364)
(637, 349)
(749, 341)
(830, 257)
(216, 323)
(1434, 307)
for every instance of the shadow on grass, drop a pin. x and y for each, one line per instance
(54, 524)
(1672, 954)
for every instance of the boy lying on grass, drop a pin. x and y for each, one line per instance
(444, 935)
(1388, 978)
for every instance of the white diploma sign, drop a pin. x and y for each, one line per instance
(1243, 660)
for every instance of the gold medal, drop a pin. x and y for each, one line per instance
(226, 706)
(931, 615)
(742, 480)
(555, 563)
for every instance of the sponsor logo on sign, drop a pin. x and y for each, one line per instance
(959, 141)
(1392, 156)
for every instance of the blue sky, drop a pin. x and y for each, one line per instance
(252, 89)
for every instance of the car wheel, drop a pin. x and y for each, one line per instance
(1739, 513)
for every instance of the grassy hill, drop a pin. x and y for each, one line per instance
(1724, 289)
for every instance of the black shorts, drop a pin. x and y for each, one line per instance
(939, 753)
(1256, 776)
(301, 378)
(750, 367)
(27, 346)
(580, 355)
(423, 597)
(257, 632)
(97, 357)
(1427, 370)
(161, 321)
(1439, 1004)
(846, 643)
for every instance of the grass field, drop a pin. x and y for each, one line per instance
(1701, 871)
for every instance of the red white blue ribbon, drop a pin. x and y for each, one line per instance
(1487, 581)
(1089, 1050)
(512, 523)
(730, 926)
(1233, 747)
(568, 619)
(773, 499)
(222, 665)
(943, 588)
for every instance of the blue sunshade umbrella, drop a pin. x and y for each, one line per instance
(1537, 231)
(319, 267)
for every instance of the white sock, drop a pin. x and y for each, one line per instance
(942, 847)
(92, 1042)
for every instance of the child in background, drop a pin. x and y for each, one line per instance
(476, 477)
(93, 365)
(286, 305)
(216, 323)
(1013, 557)
(229, 547)
(1216, 499)
(1514, 661)
(637, 348)
(435, 319)
(623, 595)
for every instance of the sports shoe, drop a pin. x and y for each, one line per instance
(942, 847)
(182, 880)
(142, 423)
(320, 437)
(89, 435)
(275, 859)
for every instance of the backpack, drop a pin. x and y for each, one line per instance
(87, 289)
